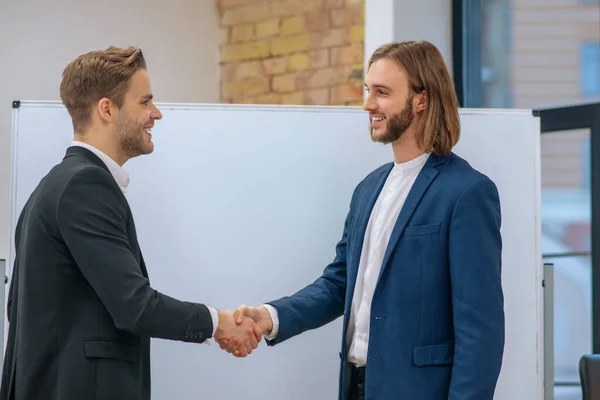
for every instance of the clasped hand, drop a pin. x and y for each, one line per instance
(251, 323)
(242, 336)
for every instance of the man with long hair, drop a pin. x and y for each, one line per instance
(417, 272)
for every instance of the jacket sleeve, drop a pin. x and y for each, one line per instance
(475, 252)
(11, 298)
(92, 220)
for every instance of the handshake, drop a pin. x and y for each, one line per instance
(240, 331)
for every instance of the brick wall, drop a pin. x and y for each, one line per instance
(292, 51)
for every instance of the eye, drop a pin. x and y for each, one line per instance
(382, 92)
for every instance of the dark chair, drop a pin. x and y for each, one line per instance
(589, 373)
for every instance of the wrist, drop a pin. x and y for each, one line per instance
(224, 317)
(265, 318)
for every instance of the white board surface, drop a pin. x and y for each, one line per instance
(244, 204)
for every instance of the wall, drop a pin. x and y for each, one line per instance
(429, 20)
(547, 40)
(292, 51)
(401, 20)
(38, 38)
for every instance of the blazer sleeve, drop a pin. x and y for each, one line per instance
(475, 252)
(11, 298)
(92, 220)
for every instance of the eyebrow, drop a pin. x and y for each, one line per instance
(379, 86)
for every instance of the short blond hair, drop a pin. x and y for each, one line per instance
(96, 75)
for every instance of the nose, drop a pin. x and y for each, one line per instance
(156, 114)
(369, 104)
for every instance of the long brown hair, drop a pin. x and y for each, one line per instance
(439, 128)
(96, 75)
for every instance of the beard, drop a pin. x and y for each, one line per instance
(396, 124)
(131, 137)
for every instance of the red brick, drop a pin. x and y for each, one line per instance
(317, 21)
(334, 3)
(319, 58)
(330, 38)
(346, 93)
(250, 69)
(318, 97)
(274, 66)
(293, 98)
(353, 54)
(284, 83)
(318, 78)
(245, 88)
(345, 17)
(253, 13)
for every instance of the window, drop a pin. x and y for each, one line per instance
(566, 243)
(590, 69)
(482, 34)
(521, 54)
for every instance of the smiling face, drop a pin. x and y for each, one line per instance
(411, 99)
(389, 101)
(136, 117)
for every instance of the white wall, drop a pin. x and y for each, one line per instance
(400, 20)
(180, 40)
(38, 38)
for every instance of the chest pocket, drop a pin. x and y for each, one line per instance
(421, 230)
(415, 250)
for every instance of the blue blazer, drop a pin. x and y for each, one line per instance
(437, 315)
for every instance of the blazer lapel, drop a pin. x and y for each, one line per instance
(424, 179)
(371, 193)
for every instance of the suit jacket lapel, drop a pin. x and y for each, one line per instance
(424, 179)
(371, 193)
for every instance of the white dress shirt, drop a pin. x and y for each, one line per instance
(122, 178)
(379, 229)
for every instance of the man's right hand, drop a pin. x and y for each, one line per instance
(259, 315)
(242, 336)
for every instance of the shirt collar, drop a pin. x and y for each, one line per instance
(414, 163)
(119, 174)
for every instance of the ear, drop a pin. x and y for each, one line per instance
(420, 101)
(106, 109)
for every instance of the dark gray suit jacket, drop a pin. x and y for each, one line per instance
(80, 308)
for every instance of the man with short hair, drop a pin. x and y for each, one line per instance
(80, 305)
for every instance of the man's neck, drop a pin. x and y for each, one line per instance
(104, 146)
(405, 148)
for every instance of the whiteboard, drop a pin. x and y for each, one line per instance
(245, 203)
